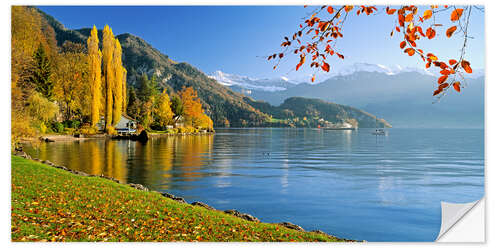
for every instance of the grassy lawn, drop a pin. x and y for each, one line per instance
(50, 204)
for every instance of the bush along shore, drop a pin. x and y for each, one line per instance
(54, 203)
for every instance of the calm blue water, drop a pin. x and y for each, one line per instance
(348, 183)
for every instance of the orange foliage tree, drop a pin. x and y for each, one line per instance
(193, 111)
(323, 28)
(192, 104)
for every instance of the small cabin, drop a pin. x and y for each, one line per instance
(179, 121)
(126, 125)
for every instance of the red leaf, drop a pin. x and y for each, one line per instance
(456, 86)
(456, 14)
(402, 44)
(430, 33)
(325, 67)
(410, 51)
(452, 61)
(445, 72)
(442, 79)
(390, 11)
(330, 9)
(466, 66)
(409, 17)
(449, 32)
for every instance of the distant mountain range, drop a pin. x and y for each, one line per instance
(219, 100)
(403, 96)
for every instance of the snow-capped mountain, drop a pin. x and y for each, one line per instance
(284, 82)
(248, 83)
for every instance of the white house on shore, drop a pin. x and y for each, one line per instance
(126, 125)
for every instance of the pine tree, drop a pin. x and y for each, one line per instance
(176, 105)
(95, 57)
(143, 87)
(41, 75)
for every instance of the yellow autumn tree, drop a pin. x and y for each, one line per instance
(192, 105)
(94, 59)
(117, 82)
(206, 122)
(163, 111)
(124, 91)
(108, 45)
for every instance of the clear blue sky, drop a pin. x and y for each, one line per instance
(234, 38)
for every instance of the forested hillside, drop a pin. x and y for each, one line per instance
(222, 104)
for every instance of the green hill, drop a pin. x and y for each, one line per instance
(317, 112)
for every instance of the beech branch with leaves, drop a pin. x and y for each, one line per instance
(323, 28)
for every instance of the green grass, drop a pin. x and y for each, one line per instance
(50, 204)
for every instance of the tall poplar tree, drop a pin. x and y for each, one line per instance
(95, 58)
(108, 45)
(117, 82)
(124, 91)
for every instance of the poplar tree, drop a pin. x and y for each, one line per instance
(108, 45)
(95, 57)
(117, 82)
(124, 91)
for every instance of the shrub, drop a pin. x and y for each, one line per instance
(86, 129)
(43, 128)
(58, 127)
(111, 131)
(71, 124)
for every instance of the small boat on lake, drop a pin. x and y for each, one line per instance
(379, 132)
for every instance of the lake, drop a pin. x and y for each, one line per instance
(351, 184)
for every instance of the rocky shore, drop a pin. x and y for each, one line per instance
(233, 212)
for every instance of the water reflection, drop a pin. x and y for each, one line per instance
(150, 163)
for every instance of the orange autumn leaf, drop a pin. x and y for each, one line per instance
(442, 79)
(445, 72)
(390, 11)
(430, 33)
(330, 9)
(325, 67)
(449, 32)
(427, 14)
(432, 56)
(456, 86)
(409, 17)
(456, 14)
(466, 66)
(302, 60)
(348, 8)
(402, 44)
(452, 61)
(410, 51)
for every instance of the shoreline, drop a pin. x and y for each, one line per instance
(179, 199)
(82, 137)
